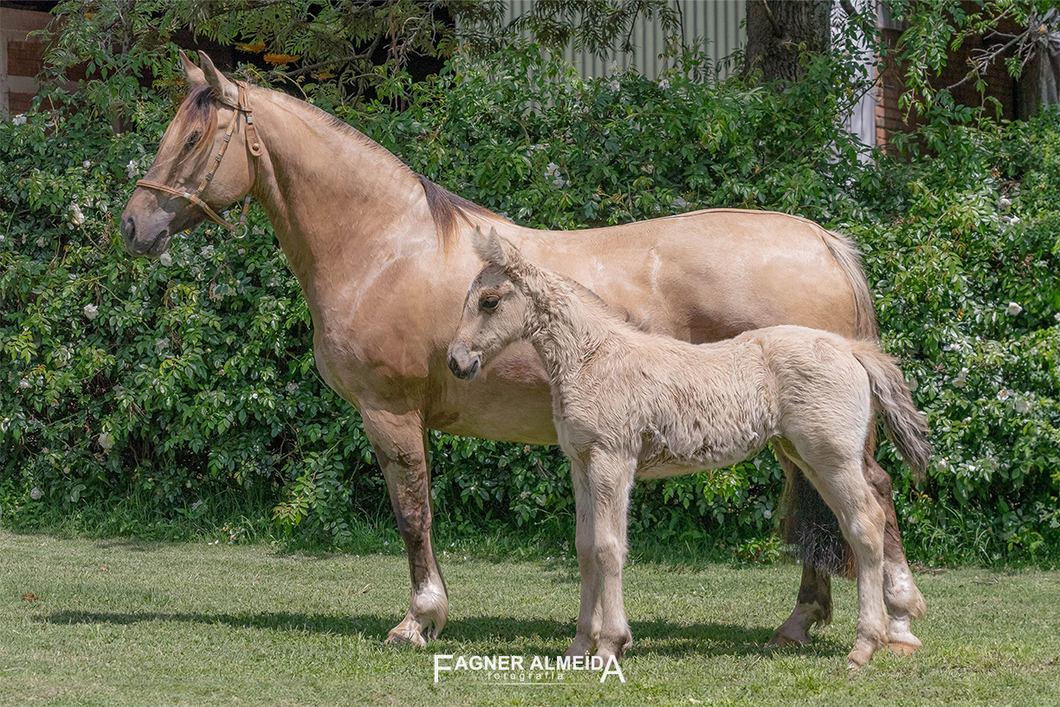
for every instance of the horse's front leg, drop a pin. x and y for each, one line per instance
(400, 445)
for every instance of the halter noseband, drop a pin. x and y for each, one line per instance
(253, 144)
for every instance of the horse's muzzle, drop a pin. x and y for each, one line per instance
(463, 363)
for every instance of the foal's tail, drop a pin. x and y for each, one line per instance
(906, 426)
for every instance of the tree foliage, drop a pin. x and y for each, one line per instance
(176, 381)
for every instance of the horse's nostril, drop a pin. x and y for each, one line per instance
(128, 228)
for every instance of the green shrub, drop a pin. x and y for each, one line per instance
(186, 383)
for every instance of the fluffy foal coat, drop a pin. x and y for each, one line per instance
(629, 403)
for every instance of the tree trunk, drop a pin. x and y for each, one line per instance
(775, 31)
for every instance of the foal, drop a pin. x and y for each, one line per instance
(628, 403)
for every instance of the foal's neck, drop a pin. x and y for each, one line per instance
(567, 324)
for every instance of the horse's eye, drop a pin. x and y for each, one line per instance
(490, 303)
(192, 140)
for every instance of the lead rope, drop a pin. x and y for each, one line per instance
(253, 144)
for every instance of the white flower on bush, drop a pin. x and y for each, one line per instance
(1003, 394)
(36, 493)
(767, 514)
(40, 242)
(614, 85)
(87, 164)
(76, 217)
(90, 311)
(291, 387)
(1022, 406)
(664, 83)
(1013, 309)
(961, 379)
(106, 440)
(19, 119)
(552, 170)
(166, 259)
(133, 169)
(1005, 203)
(162, 343)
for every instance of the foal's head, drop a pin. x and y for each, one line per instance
(496, 308)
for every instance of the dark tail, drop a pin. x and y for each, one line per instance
(906, 426)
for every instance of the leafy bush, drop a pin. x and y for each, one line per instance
(183, 381)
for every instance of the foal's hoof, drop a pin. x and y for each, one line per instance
(861, 653)
(905, 647)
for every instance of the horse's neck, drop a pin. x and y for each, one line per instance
(565, 326)
(333, 196)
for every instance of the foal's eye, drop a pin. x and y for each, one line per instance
(192, 140)
(490, 303)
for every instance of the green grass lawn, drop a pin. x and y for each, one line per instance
(132, 623)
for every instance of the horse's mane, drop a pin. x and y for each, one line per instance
(445, 207)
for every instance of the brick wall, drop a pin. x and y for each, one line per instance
(20, 58)
(1000, 86)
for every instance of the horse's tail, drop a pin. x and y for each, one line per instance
(906, 426)
(848, 258)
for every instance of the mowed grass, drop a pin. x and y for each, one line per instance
(132, 623)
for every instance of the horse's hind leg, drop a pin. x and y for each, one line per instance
(812, 520)
(401, 449)
(904, 601)
(814, 604)
(844, 488)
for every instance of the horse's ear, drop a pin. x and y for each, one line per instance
(195, 76)
(222, 88)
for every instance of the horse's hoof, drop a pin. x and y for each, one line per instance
(784, 640)
(401, 635)
(904, 647)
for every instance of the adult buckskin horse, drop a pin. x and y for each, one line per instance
(384, 256)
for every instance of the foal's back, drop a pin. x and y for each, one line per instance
(684, 407)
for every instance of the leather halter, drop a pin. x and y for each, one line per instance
(253, 144)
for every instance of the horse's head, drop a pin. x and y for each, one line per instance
(496, 308)
(188, 180)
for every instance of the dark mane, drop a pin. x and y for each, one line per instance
(446, 207)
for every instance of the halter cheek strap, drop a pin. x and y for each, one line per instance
(253, 145)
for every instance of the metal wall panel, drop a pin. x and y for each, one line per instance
(715, 24)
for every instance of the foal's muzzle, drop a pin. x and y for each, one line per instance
(463, 363)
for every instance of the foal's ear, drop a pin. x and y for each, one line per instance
(222, 87)
(489, 248)
(195, 76)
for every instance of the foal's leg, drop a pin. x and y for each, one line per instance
(843, 486)
(589, 615)
(400, 447)
(610, 478)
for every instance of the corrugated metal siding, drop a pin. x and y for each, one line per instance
(716, 24)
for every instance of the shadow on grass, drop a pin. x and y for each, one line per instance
(532, 636)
